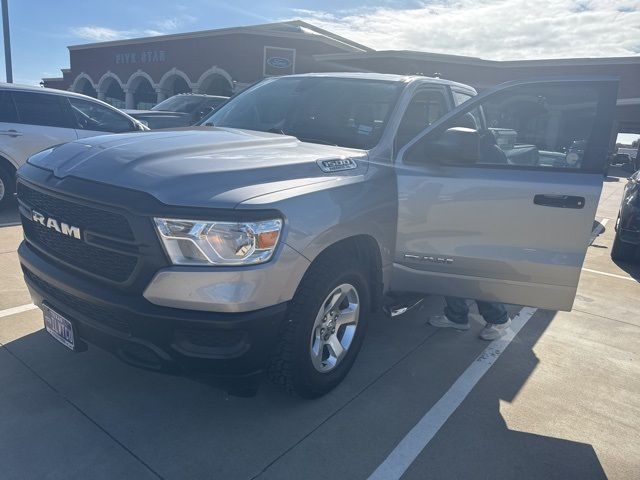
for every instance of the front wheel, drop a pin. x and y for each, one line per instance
(324, 330)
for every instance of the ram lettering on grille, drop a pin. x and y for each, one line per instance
(60, 227)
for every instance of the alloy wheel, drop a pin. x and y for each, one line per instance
(334, 327)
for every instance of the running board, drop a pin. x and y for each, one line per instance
(399, 304)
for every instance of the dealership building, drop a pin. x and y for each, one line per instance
(141, 72)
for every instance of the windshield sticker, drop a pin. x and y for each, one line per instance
(337, 164)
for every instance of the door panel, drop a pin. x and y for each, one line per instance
(483, 224)
(20, 141)
(511, 220)
(38, 122)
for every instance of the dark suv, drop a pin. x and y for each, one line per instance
(626, 243)
(180, 110)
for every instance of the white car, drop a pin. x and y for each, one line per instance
(33, 119)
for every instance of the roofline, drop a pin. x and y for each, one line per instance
(391, 77)
(332, 35)
(58, 91)
(260, 29)
(35, 88)
(461, 59)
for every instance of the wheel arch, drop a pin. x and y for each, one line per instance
(366, 249)
(8, 162)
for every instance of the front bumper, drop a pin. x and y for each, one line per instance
(152, 336)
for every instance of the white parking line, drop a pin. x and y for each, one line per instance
(14, 310)
(419, 437)
(622, 277)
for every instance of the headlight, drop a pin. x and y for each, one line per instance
(201, 242)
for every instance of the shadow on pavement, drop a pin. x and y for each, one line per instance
(9, 216)
(186, 429)
(476, 442)
(183, 428)
(633, 269)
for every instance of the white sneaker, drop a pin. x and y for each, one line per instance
(492, 330)
(441, 321)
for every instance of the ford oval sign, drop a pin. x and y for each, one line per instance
(279, 62)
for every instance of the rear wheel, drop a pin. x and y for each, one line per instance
(324, 330)
(7, 186)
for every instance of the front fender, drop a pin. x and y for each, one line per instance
(320, 215)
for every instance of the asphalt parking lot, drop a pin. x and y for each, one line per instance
(561, 400)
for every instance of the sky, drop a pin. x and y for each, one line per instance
(492, 29)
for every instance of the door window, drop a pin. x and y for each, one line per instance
(460, 97)
(425, 108)
(93, 116)
(8, 111)
(41, 109)
(537, 125)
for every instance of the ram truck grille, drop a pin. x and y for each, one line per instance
(106, 248)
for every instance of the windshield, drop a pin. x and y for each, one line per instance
(337, 111)
(179, 103)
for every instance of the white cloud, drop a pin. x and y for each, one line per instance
(96, 33)
(173, 23)
(495, 29)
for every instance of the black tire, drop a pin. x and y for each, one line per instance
(622, 251)
(7, 187)
(291, 365)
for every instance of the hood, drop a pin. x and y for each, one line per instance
(199, 167)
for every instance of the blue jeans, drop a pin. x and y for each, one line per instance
(457, 311)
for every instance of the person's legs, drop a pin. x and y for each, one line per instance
(497, 318)
(457, 309)
(456, 315)
(493, 312)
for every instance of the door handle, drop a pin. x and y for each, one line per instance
(559, 201)
(11, 133)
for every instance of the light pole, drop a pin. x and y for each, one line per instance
(7, 40)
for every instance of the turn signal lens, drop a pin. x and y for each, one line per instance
(267, 239)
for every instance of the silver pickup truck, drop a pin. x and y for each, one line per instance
(267, 237)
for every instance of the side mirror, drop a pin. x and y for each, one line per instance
(455, 146)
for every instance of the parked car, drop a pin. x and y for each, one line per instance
(33, 119)
(620, 159)
(180, 110)
(265, 238)
(626, 244)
